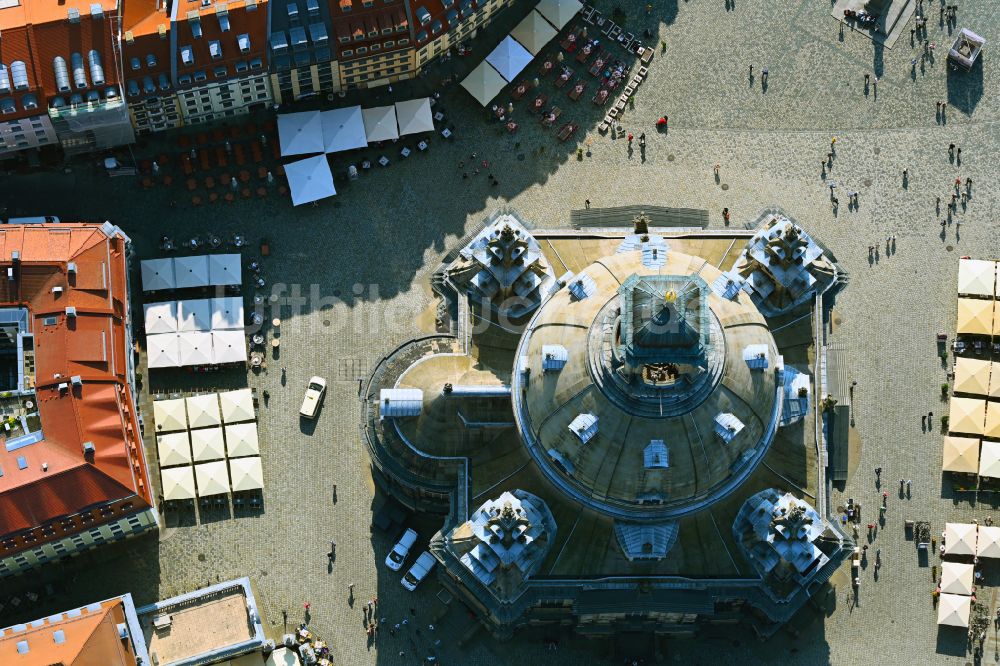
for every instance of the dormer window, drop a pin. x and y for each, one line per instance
(150, 60)
(215, 48)
(224, 23)
(187, 55)
(196, 29)
(135, 63)
(244, 43)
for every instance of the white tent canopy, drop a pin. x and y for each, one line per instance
(207, 444)
(178, 483)
(247, 474)
(157, 274)
(414, 116)
(203, 410)
(242, 440)
(194, 315)
(228, 347)
(953, 609)
(169, 415)
(534, 32)
(976, 277)
(195, 348)
(300, 133)
(163, 350)
(227, 313)
(956, 578)
(310, 180)
(559, 12)
(191, 271)
(380, 123)
(959, 539)
(237, 406)
(343, 129)
(173, 448)
(213, 478)
(160, 317)
(224, 269)
(989, 459)
(509, 58)
(988, 541)
(484, 83)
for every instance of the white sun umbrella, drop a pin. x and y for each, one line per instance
(559, 12)
(380, 123)
(224, 269)
(976, 277)
(213, 478)
(484, 83)
(953, 609)
(960, 454)
(956, 578)
(967, 416)
(195, 348)
(247, 473)
(173, 448)
(959, 539)
(509, 58)
(160, 317)
(169, 415)
(191, 271)
(972, 375)
(237, 406)
(310, 180)
(178, 483)
(207, 444)
(414, 116)
(988, 541)
(194, 315)
(163, 350)
(157, 274)
(242, 440)
(203, 410)
(989, 459)
(227, 313)
(343, 129)
(300, 133)
(534, 32)
(229, 347)
(975, 316)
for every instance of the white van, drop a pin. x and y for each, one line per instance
(423, 566)
(399, 552)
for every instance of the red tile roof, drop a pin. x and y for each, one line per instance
(90, 638)
(93, 345)
(141, 20)
(241, 21)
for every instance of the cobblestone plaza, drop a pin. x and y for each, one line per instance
(357, 269)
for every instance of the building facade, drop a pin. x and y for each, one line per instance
(302, 56)
(218, 63)
(60, 76)
(442, 24)
(73, 474)
(374, 42)
(146, 58)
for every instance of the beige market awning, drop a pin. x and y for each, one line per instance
(241, 440)
(975, 316)
(559, 12)
(992, 427)
(203, 410)
(247, 473)
(976, 277)
(484, 83)
(988, 541)
(534, 32)
(959, 539)
(972, 375)
(994, 391)
(961, 454)
(237, 406)
(953, 609)
(967, 415)
(178, 483)
(213, 478)
(989, 459)
(956, 578)
(173, 449)
(207, 444)
(169, 415)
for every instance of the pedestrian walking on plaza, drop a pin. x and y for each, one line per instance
(909, 484)
(958, 153)
(751, 70)
(923, 422)
(951, 146)
(586, 203)
(725, 216)
(885, 497)
(930, 416)
(333, 550)
(763, 76)
(878, 473)
(867, 78)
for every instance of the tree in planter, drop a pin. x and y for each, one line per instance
(944, 389)
(944, 423)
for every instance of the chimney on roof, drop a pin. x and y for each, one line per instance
(77, 380)
(73, 15)
(45, 467)
(71, 267)
(63, 386)
(57, 290)
(129, 37)
(15, 256)
(89, 450)
(70, 311)
(10, 273)
(161, 29)
(96, 11)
